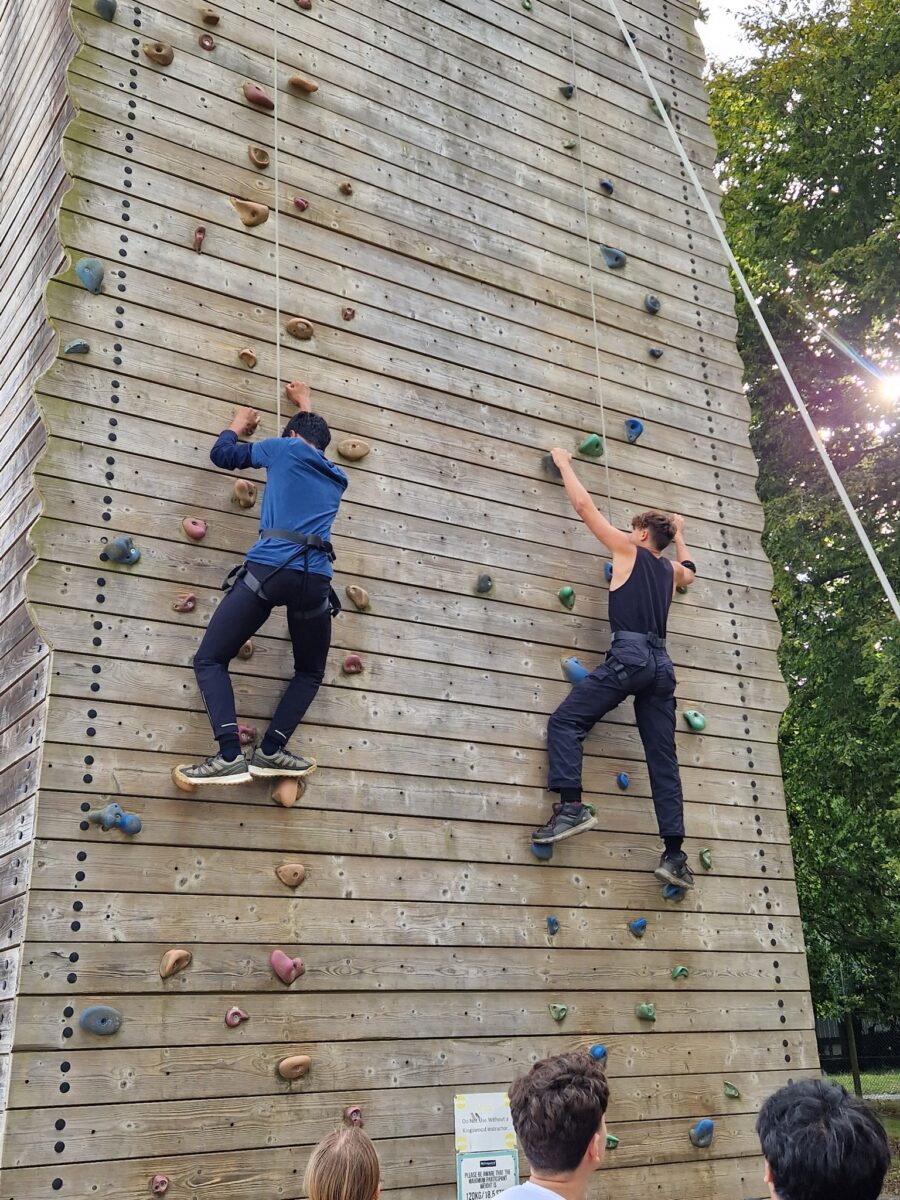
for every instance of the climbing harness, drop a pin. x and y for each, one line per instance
(760, 319)
(305, 542)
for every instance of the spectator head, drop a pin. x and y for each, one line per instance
(654, 527)
(344, 1166)
(821, 1144)
(558, 1110)
(309, 426)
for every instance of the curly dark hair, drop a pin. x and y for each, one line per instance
(311, 427)
(557, 1108)
(660, 524)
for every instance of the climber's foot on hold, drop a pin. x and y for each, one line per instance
(567, 820)
(673, 869)
(215, 769)
(281, 765)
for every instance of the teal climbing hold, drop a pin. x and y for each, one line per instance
(567, 596)
(121, 550)
(680, 972)
(681, 589)
(599, 1053)
(694, 719)
(570, 144)
(623, 779)
(113, 816)
(645, 1011)
(638, 927)
(591, 446)
(671, 892)
(484, 585)
(101, 1019)
(731, 1091)
(558, 1011)
(611, 1141)
(633, 428)
(607, 186)
(614, 259)
(652, 304)
(655, 352)
(90, 272)
(608, 572)
(701, 1134)
(553, 926)
(77, 346)
(550, 466)
(574, 670)
(105, 9)
(526, 4)
(542, 850)
(567, 90)
(705, 859)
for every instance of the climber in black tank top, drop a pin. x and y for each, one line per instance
(637, 664)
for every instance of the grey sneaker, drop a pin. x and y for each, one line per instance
(673, 869)
(281, 765)
(215, 769)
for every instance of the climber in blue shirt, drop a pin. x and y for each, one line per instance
(289, 565)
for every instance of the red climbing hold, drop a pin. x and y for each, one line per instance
(353, 1115)
(247, 735)
(244, 493)
(185, 603)
(348, 313)
(286, 968)
(257, 95)
(195, 528)
(199, 235)
(301, 204)
(306, 5)
(206, 41)
(235, 1016)
(159, 1185)
(352, 664)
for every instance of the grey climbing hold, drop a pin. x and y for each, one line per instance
(608, 572)
(645, 1011)
(105, 9)
(599, 1053)
(484, 585)
(633, 429)
(638, 927)
(90, 272)
(550, 466)
(568, 90)
(623, 779)
(607, 186)
(101, 1019)
(681, 589)
(591, 446)
(614, 259)
(77, 346)
(651, 303)
(553, 926)
(120, 550)
(655, 352)
(558, 1011)
(113, 816)
(574, 670)
(631, 36)
(701, 1134)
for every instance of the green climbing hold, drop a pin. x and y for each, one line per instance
(570, 144)
(611, 1141)
(105, 9)
(558, 1011)
(591, 809)
(645, 1011)
(567, 596)
(665, 103)
(591, 446)
(613, 258)
(526, 4)
(732, 1092)
(680, 972)
(705, 859)
(681, 590)
(695, 719)
(77, 346)
(90, 272)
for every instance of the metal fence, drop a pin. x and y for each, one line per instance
(863, 1055)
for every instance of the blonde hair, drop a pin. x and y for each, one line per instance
(344, 1166)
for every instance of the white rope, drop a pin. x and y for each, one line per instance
(760, 319)
(590, 262)
(277, 228)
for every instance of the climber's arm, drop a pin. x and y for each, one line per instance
(230, 454)
(684, 575)
(614, 539)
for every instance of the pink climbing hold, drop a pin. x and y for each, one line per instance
(247, 735)
(199, 235)
(306, 5)
(195, 528)
(159, 1185)
(348, 313)
(236, 1016)
(353, 1115)
(286, 968)
(352, 665)
(185, 603)
(257, 95)
(206, 41)
(301, 204)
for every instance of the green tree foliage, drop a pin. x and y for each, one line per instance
(808, 130)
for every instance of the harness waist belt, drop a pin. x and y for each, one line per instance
(651, 639)
(300, 539)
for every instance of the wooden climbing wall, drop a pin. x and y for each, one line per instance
(422, 920)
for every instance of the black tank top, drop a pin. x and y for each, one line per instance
(641, 604)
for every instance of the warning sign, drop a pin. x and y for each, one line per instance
(483, 1176)
(487, 1162)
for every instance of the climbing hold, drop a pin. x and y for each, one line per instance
(306, 5)
(183, 785)
(358, 596)
(613, 258)
(258, 156)
(291, 874)
(591, 445)
(199, 235)
(591, 809)
(607, 186)
(655, 352)
(294, 1067)
(638, 927)
(705, 859)
(247, 735)
(206, 41)
(174, 961)
(566, 596)
(235, 1016)
(608, 572)
(353, 1115)
(694, 719)
(652, 304)
(347, 314)
(301, 204)
(701, 1134)
(257, 95)
(484, 585)
(671, 892)
(251, 212)
(558, 1011)
(731, 1091)
(302, 84)
(569, 144)
(243, 494)
(680, 972)
(623, 779)
(90, 272)
(630, 36)
(353, 449)
(246, 651)
(159, 1185)
(209, 16)
(101, 1019)
(113, 816)
(646, 1011)
(159, 53)
(681, 590)
(573, 669)
(352, 664)
(299, 327)
(611, 1141)
(77, 346)
(550, 466)
(527, 5)
(248, 357)
(633, 428)
(105, 9)
(185, 603)
(288, 791)
(542, 850)
(195, 528)
(345, 187)
(667, 105)
(599, 1053)
(553, 926)
(286, 968)
(568, 90)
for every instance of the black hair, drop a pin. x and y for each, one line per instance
(311, 427)
(557, 1108)
(822, 1144)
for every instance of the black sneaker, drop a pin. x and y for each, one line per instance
(673, 869)
(280, 765)
(567, 820)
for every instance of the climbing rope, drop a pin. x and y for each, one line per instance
(590, 260)
(277, 228)
(760, 319)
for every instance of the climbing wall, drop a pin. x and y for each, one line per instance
(432, 195)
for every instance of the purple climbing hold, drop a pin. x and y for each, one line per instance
(623, 779)
(120, 550)
(574, 670)
(607, 186)
(614, 259)
(101, 1019)
(113, 816)
(652, 304)
(90, 272)
(633, 429)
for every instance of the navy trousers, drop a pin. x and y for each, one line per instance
(631, 669)
(238, 617)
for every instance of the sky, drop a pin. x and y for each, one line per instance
(721, 34)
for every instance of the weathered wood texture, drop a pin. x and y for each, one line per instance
(474, 347)
(36, 42)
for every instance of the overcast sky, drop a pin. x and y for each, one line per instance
(721, 34)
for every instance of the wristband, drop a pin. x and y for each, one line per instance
(691, 566)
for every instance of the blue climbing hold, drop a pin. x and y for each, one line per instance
(77, 346)
(121, 550)
(90, 272)
(574, 670)
(552, 926)
(623, 779)
(568, 90)
(630, 36)
(599, 1054)
(671, 892)
(550, 466)
(607, 572)
(633, 429)
(607, 186)
(101, 1019)
(614, 259)
(652, 304)
(114, 817)
(105, 9)
(638, 926)
(702, 1133)
(655, 352)
(542, 850)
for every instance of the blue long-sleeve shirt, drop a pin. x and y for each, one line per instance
(303, 493)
